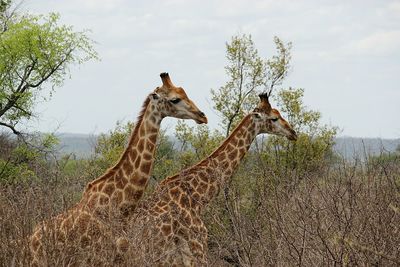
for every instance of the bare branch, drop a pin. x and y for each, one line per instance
(11, 127)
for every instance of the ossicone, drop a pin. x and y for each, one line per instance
(264, 96)
(166, 80)
(264, 103)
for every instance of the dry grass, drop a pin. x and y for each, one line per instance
(341, 215)
(345, 215)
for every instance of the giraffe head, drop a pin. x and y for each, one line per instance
(271, 121)
(176, 103)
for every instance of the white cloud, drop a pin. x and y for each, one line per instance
(394, 7)
(376, 44)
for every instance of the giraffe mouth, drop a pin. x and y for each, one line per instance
(202, 120)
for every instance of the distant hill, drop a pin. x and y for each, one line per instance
(82, 145)
(355, 147)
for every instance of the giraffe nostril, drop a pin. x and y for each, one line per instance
(202, 114)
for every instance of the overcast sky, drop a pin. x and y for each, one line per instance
(346, 55)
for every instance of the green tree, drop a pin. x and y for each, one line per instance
(248, 73)
(27, 159)
(165, 162)
(315, 140)
(34, 51)
(110, 146)
(195, 142)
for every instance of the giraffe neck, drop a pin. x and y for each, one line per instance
(123, 185)
(206, 178)
(228, 155)
(137, 160)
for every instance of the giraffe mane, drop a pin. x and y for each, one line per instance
(139, 119)
(111, 170)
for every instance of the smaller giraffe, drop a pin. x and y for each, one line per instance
(167, 229)
(114, 195)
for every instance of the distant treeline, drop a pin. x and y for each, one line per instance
(82, 145)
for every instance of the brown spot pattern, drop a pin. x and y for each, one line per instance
(145, 168)
(166, 229)
(137, 162)
(147, 156)
(127, 166)
(104, 200)
(109, 189)
(175, 192)
(121, 182)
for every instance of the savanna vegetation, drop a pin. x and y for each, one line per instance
(289, 203)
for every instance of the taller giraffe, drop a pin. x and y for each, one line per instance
(122, 186)
(167, 229)
(116, 193)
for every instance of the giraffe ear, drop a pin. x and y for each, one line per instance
(154, 96)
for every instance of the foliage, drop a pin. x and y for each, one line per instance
(196, 143)
(35, 51)
(4, 5)
(21, 159)
(109, 147)
(315, 140)
(165, 162)
(247, 73)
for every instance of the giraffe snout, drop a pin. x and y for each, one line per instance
(202, 118)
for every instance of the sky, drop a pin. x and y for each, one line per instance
(346, 55)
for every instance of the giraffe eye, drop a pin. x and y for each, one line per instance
(276, 119)
(175, 100)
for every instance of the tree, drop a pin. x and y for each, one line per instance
(248, 74)
(26, 160)
(315, 140)
(196, 142)
(109, 147)
(34, 51)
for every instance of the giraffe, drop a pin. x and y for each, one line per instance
(167, 229)
(115, 194)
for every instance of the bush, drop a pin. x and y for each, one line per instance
(343, 216)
